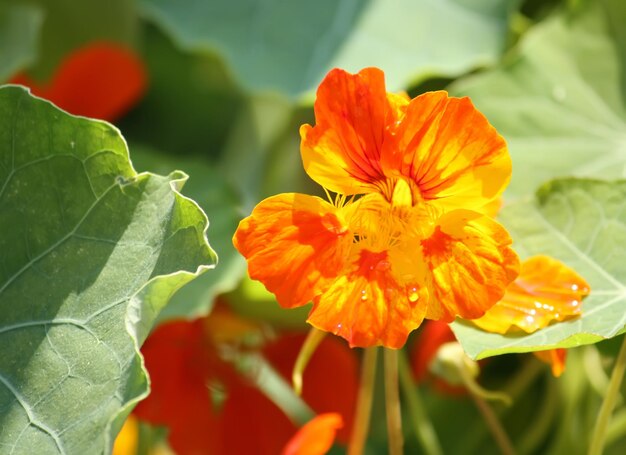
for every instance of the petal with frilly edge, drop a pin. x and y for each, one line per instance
(470, 264)
(545, 291)
(353, 114)
(450, 151)
(295, 245)
(372, 302)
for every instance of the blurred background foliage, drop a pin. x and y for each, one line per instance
(230, 82)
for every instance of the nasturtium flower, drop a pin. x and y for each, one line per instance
(402, 238)
(210, 407)
(546, 290)
(100, 80)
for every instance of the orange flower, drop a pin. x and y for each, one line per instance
(101, 80)
(546, 290)
(555, 358)
(402, 239)
(208, 405)
(316, 437)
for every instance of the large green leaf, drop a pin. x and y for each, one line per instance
(19, 30)
(289, 45)
(209, 189)
(559, 99)
(91, 251)
(583, 224)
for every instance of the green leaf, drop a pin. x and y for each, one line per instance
(19, 31)
(559, 99)
(583, 224)
(290, 45)
(69, 24)
(91, 251)
(190, 104)
(215, 196)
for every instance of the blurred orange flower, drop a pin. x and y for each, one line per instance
(101, 80)
(316, 437)
(208, 405)
(555, 358)
(402, 239)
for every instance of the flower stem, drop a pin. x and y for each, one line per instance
(392, 402)
(491, 419)
(503, 441)
(423, 427)
(313, 340)
(612, 393)
(364, 402)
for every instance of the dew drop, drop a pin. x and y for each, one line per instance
(363, 295)
(574, 287)
(530, 319)
(413, 295)
(339, 326)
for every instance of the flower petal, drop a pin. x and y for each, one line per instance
(370, 303)
(128, 438)
(449, 149)
(352, 112)
(316, 436)
(545, 291)
(294, 245)
(101, 80)
(470, 265)
(555, 358)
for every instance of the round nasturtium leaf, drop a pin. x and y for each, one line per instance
(91, 251)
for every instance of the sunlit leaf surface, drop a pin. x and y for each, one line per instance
(583, 224)
(558, 100)
(289, 45)
(91, 251)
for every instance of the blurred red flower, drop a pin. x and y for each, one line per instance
(209, 408)
(101, 80)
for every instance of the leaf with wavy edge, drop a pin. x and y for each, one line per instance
(558, 99)
(91, 251)
(582, 223)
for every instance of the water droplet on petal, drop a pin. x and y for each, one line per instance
(363, 295)
(574, 287)
(413, 295)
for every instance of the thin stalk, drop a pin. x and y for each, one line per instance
(612, 394)
(491, 419)
(392, 403)
(424, 429)
(364, 402)
(313, 340)
(494, 425)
